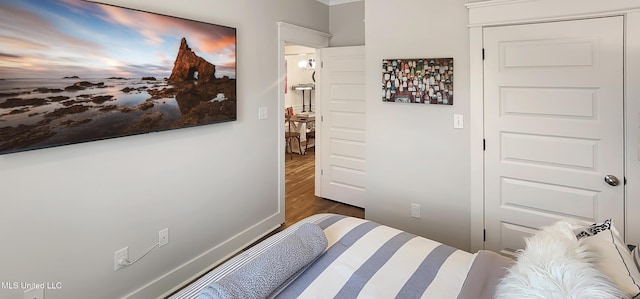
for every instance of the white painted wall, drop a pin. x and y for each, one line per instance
(65, 210)
(347, 24)
(417, 156)
(632, 128)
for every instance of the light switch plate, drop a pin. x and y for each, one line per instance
(458, 121)
(263, 113)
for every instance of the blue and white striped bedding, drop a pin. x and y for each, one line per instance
(363, 260)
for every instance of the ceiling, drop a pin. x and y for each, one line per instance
(336, 2)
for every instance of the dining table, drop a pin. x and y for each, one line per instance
(301, 123)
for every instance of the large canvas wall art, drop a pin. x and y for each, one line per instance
(73, 71)
(424, 81)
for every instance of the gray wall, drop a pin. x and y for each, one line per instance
(419, 157)
(65, 210)
(347, 24)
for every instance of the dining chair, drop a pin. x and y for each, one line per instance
(310, 134)
(291, 134)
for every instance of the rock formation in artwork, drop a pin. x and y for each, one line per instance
(191, 67)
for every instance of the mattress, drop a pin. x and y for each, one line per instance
(365, 259)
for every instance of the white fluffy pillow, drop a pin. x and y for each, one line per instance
(555, 265)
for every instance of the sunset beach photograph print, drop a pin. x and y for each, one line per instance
(73, 71)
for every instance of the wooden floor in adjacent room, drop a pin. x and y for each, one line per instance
(300, 199)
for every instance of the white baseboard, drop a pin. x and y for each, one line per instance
(177, 278)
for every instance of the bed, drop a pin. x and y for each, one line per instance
(336, 256)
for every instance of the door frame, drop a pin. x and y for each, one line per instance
(289, 33)
(511, 12)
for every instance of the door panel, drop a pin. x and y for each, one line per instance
(549, 102)
(343, 125)
(553, 126)
(548, 53)
(543, 197)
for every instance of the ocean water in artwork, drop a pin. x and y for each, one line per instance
(36, 113)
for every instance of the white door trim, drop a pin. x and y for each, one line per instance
(476, 122)
(509, 12)
(288, 33)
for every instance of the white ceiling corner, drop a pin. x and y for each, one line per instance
(336, 2)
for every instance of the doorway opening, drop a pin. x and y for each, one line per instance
(300, 150)
(291, 203)
(300, 98)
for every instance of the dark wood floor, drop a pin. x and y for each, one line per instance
(300, 199)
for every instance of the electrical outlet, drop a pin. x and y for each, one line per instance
(163, 237)
(415, 210)
(120, 255)
(35, 293)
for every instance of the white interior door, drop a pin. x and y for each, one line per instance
(553, 126)
(342, 133)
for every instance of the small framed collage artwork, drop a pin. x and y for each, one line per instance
(424, 81)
